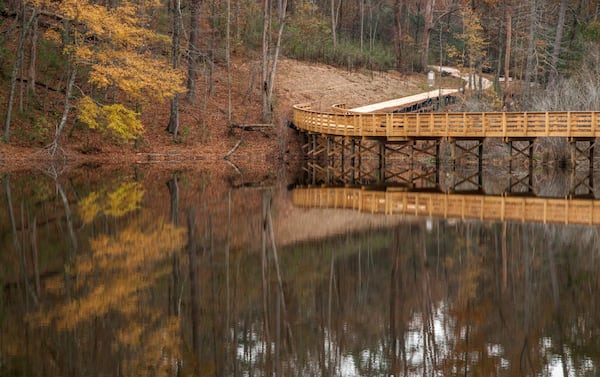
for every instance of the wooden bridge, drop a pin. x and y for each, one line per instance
(452, 206)
(574, 125)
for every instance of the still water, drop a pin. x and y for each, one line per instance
(146, 272)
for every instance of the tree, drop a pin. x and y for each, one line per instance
(270, 55)
(335, 12)
(17, 66)
(398, 33)
(475, 43)
(116, 45)
(508, 11)
(429, 5)
(557, 42)
(193, 49)
(173, 126)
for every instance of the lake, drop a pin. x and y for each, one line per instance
(146, 270)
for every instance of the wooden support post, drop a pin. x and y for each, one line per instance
(437, 162)
(352, 161)
(530, 148)
(381, 167)
(329, 159)
(591, 159)
(480, 165)
(573, 148)
(525, 152)
(343, 160)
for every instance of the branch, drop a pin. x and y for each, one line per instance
(233, 149)
(444, 14)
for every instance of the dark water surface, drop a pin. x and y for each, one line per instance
(145, 272)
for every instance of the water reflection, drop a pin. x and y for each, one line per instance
(142, 272)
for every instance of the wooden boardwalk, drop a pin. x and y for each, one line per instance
(409, 126)
(453, 206)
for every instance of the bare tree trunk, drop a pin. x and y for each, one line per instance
(193, 49)
(508, 48)
(228, 59)
(362, 24)
(429, 5)
(269, 68)
(16, 68)
(63, 121)
(530, 53)
(557, 43)
(334, 22)
(265, 60)
(31, 76)
(398, 34)
(173, 126)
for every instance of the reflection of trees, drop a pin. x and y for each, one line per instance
(427, 298)
(97, 298)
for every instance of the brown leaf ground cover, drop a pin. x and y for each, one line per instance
(206, 131)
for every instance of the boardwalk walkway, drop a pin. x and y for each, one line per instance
(398, 103)
(371, 122)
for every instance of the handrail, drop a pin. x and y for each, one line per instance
(570, 124)
(452, 206)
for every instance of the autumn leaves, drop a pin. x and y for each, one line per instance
(124, 60)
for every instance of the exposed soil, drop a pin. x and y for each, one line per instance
(206, 133)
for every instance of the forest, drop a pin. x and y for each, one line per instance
(103, 69)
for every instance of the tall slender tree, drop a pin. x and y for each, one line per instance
(398, 32)
(177, 18)
(17, 66)
(558, 39)
(270, 55)
(427, 28)
(193, 50)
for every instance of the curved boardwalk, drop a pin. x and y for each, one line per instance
(409, 126)
(475, 207)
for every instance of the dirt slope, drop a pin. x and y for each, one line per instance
(323, 86)
(206, 129)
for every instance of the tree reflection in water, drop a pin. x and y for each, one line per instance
(182, 274)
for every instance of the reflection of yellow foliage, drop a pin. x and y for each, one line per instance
(89, 207)
(126, 198)
(122, 267)
(161, 350)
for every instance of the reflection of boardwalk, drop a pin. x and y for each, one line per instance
(451, 206)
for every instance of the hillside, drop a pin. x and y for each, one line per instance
(206, 132)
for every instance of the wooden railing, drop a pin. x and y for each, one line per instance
(475, 207)
(570, 124)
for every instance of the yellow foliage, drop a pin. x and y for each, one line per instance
(473, 36)
(121, 122)
(116, 43)
(140, 75)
